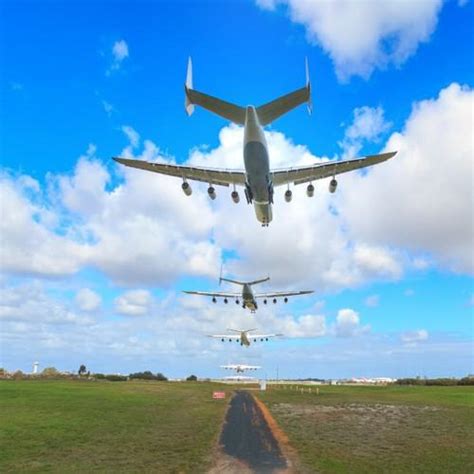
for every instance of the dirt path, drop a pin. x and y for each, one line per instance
(248, 442)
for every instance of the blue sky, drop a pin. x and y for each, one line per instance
(94, 257)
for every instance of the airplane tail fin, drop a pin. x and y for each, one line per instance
(229, 111)
(270, 111)
(188, 105)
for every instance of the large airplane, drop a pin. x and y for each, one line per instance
(257, 179)
(240, 368)
(243, 336)
(248, 297)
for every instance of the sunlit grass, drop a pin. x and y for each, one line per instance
(65, 426)
(378, 429)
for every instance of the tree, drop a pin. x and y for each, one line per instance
(82, 370)
(192, 378)
(50, 372)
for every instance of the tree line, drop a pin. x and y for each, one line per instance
(445, 382)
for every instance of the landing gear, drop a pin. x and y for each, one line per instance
(248, 193)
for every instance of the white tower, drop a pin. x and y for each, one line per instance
(35, 367)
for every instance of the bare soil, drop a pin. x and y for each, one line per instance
(248, 442)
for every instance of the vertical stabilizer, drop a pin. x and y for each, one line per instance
(308, 87)
(188, 105)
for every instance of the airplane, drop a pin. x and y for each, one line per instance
(240, 368)
(249, 299)
(243, 336)
(257, 179)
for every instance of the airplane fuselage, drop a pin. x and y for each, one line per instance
(258, 187)
(244, 340)
(248, 300)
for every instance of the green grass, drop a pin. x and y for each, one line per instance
(79, 426)
(378, 429)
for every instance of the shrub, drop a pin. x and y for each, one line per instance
(466, 381)
(147, 375)
(50, 372)
(116, 378)
(192, 378)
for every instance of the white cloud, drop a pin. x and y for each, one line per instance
(304, 326)
(29, 303)
(120, 50)
(119, 53)
(134, 303)
(422, 199)
(87, 300)
(361, 36)
(132, 135)
(372, 301)
(29, 241)
(83, 192)
(348, 324)
(412, 337)
(368, 126)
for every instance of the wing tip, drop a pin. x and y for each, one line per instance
(122, 161)
(391, 154)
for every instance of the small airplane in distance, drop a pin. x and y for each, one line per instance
(257, 179)
(249, 299)
(243, 336)
(240, 368)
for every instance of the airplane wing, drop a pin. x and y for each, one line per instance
(305, 174)
(221, 177)
(279, 294)
(242, 367)
(224, 336)
(254, 337)
(217, 294)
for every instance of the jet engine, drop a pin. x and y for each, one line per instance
(332, 185)
(310, 190)
(264, 301)
(288, 195)
(274, 300)
(214, 299)
(237, 302)
(187, 188)
(285, 300)
(235, 196)
(225, 300)
(212, 192)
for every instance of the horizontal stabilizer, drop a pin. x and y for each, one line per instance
(224, 109)
(269, 112)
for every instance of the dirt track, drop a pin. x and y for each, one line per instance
(247, 437)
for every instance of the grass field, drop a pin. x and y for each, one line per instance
(378, 429)
(80, 426)
(66, 426)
